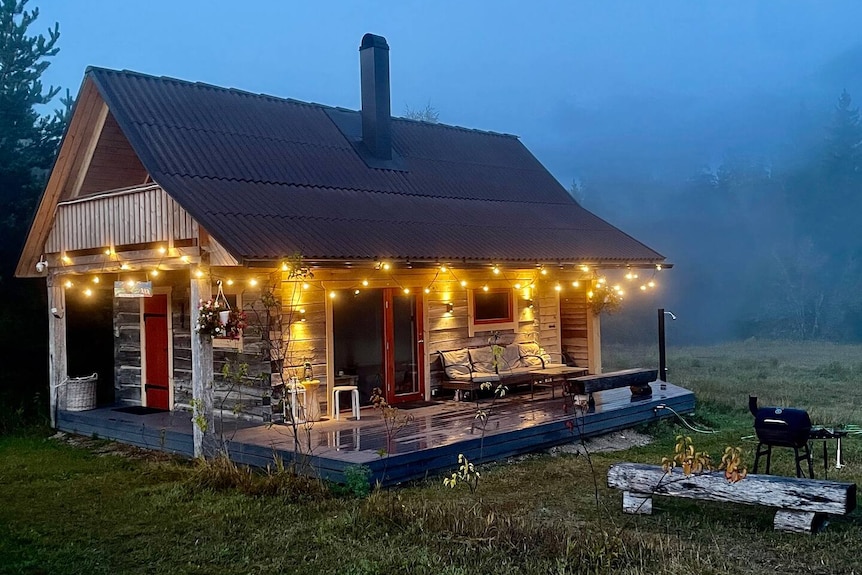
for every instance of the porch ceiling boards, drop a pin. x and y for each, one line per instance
(428, 445)
(288, 178)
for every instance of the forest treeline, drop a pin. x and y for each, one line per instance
(766, 248)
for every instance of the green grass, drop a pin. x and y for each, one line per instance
(68, 509)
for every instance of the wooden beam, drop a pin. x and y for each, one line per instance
(204, 437)
(57, 360)
(86, 110)
(594, 342)
(93, 135)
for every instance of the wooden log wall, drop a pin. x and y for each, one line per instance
(244, 400)
(574, 315)
(303, 335)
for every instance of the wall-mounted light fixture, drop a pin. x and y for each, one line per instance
(450, 308)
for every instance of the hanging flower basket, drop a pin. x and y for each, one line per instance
(209, 322)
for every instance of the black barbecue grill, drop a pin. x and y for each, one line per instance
(782, 427)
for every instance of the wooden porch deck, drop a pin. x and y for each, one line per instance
(429, 444)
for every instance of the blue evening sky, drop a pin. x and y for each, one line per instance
(551, 72)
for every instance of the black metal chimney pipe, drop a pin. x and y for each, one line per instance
(376, 113)
(662, 354)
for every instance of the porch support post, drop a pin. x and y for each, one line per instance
(594, 342)
(57, 362)
(205, 444)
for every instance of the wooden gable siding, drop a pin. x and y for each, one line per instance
(136, 216)
(113, 165)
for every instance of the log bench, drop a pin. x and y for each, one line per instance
(636, 379)
(802, 503)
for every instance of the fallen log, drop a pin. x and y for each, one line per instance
(802, 503)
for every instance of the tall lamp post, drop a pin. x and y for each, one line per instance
(662, 353)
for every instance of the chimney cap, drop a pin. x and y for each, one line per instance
(373, 41)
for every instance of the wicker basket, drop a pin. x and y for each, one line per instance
(78, 393)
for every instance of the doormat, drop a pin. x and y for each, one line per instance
(138, 410)
(415, 404)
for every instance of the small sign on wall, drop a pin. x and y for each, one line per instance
(133, 289)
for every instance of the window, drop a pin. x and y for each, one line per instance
(235, 302)
(491, 310)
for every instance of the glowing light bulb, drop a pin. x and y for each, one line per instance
(229, 282)
(517, 286)
(88, 292)
(356, 292)
(386, 266)
(96, 279)
(463, 283)
(658, 267)
(585, 268)
(485, 287)
(252, 282)
(590, 294)
(643, 288)
(163, 250)
(558, 287)
(107, 252)
(365, 283)
(305, 286)
(130, 283)
(576, 283)
(68, 284)
(332, 295)
(651, 284)
(602, 280)
(154, 273)
(496, 270)
(184, 259)
(406, 291)
(427, 290)
(66, 259)
(199, 273)
(544, 272)
(284, 267)
(443, 268)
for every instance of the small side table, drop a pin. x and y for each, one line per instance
(825, 434)
(311, 402)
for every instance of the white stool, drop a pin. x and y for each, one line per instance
(354, 393)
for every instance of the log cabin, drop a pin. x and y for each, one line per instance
(360, 245)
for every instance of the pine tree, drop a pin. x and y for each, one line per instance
(28, 141)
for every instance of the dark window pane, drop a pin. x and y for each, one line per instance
(494, 306)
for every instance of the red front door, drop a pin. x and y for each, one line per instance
(157, 384)
(404, 347)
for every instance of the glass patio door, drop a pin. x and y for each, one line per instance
(377, 342)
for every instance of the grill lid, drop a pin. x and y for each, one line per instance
(780, 426)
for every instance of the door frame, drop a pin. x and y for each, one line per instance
(167, 292)
(389, 294)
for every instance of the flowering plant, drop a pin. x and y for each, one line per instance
(216, 319)
(236, 322)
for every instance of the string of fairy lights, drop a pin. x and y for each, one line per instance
(444, 278)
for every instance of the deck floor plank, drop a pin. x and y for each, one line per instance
(429, 442)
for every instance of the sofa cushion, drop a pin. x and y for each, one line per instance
(482, 359)
(510, 360)
(530, 354)
(456, 363)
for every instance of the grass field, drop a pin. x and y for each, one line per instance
(84, 509)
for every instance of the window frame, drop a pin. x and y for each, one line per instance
(492, 324)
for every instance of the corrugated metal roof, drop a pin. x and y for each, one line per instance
(268, 177)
